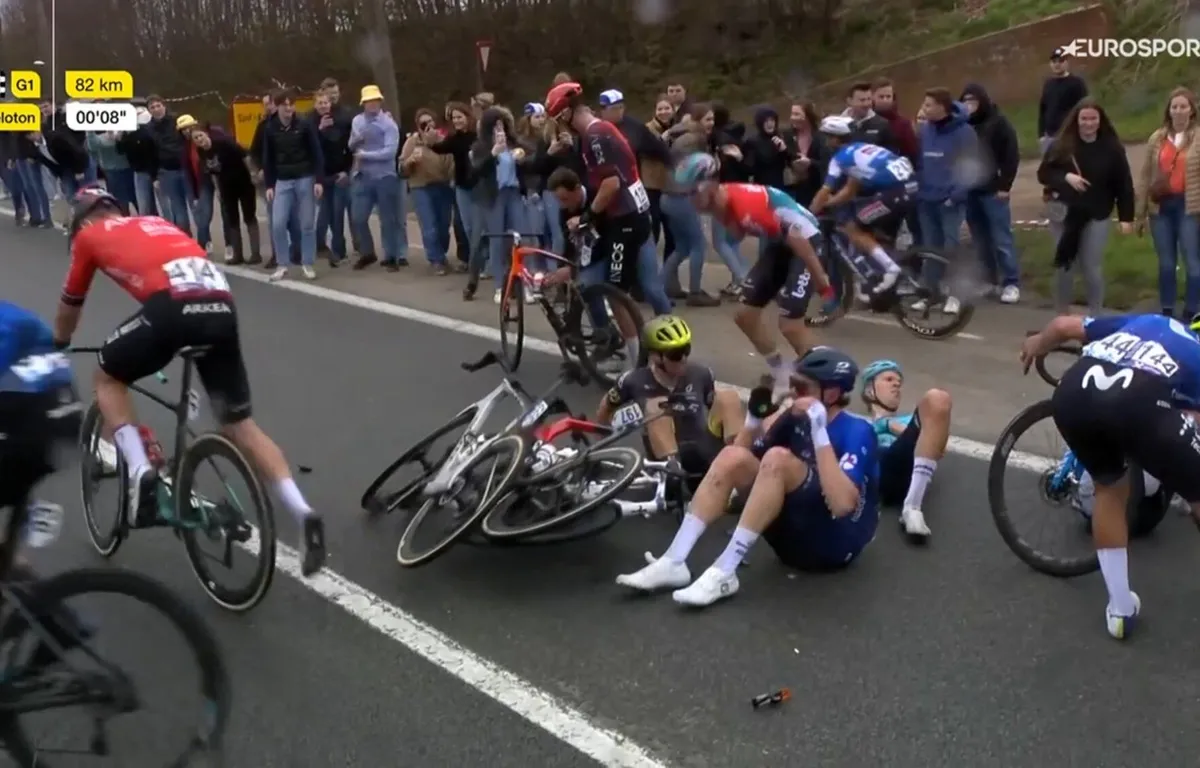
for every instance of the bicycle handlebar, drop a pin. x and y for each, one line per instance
(1039, 362)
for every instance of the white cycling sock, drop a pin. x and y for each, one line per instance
(289, 495)
(690, 531)
(735, 551)
(129, 443)
(883, 260)
(922, 473)
(1114, 566)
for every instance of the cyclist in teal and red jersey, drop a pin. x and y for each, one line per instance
(787, 266)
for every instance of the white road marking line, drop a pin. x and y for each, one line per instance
(855, 317)
(540, 708)
(960, 445)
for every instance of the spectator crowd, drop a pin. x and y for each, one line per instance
(325, 177)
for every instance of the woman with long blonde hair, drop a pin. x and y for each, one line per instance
(1168, 199)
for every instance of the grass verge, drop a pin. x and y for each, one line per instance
(1130, 269)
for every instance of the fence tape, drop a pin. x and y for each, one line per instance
(237, 97)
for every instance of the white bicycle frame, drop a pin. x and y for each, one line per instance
(652, 475)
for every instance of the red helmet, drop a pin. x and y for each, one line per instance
(559, 98)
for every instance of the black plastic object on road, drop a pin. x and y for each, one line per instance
(771, 699)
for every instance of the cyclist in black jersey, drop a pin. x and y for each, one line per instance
(713, 418)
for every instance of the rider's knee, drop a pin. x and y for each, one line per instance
(731, 457)
(778, 460)
(935, 404)
(747, 314)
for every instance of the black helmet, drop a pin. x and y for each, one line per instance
(829, 368)
(87, 201)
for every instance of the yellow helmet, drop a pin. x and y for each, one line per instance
(667, 332)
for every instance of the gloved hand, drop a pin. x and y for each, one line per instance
(761, 402)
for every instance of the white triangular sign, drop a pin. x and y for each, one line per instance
(484, 51)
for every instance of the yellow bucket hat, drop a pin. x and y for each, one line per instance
(371, 93)
(185, 121)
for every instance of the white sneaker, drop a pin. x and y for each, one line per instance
(208, 249)
(496, 297)
(143, 487)
(278, 274)
(1120, 627)
(1010, 294)
(309, 272)
(951, 307)
(228, 255)
(660, 573)
(713, 585)
(912, 520)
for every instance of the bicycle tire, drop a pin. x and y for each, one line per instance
(592, 524)
(1039, 561)
(1039, 363)
(408, 558)
(495, 526)
(90, 433)
(617, 300)
(42, 598)
(843, 282)
(237, 600)
(373, 505)
(513, 300)
(913, 261)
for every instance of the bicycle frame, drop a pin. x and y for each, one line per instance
(518, 252)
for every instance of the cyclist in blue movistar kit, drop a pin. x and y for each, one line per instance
(810, 483)
(1132, 396)
(875, 186)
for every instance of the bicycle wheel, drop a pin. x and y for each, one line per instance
(512, 324)
(501, 460)
(914, 287)
(1042, 370)
(105, 692)
(608, 352)
(1053, 490)
(375, 502)
(232, 523)
(563, 493)
(101, 461)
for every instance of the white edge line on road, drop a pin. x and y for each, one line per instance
(959, 445)
(856, 318)
(540, 708)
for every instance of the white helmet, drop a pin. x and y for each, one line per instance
(837, 125)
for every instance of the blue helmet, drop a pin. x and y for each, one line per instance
(694, 169)
(829, 368)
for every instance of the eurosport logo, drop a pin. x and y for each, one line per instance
(1130, 48)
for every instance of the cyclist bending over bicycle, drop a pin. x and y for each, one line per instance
(690, 439)
(186, 301)
(787, 266)
(868, 188)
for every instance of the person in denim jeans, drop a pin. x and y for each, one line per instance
(138, 150)
(495, 161)
(201, 190)
(10, 176)
(948, 146)
(457, 143)
(375, 143)
(429, 175)
(118, 176)
(30, 170)
(333, 127)
(291, 161)
(169, 182)
(988, 213)
(1168, 198)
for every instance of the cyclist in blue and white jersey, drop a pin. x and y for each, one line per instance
(810, 484)
(874, 186)
(1132, 396)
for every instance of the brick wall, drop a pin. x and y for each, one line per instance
(1011, 64)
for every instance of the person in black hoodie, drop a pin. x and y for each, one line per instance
(1060, 93)
(988, 214)
(334, 133)
(138, 149)
(1085, 172)
(457, 143)
(766, 150)
(29, 166)
(61, 153)
(10, 174)
(169, 180)
(225, 162)
(808, 155)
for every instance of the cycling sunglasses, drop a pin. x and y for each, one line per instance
(678, 354)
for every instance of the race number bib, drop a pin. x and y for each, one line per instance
(1152, 358)
(37, 367)
(640, 199)
(195, 274)
(900, 168)
(629, 414)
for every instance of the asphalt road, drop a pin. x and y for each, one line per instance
(954, 655)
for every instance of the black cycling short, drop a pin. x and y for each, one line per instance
(896, 465)
(148, 341)
(885, 211)
(35, 427)
(779, 274)
(1109, 415)
(619, 243)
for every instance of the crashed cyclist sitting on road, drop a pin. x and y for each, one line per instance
(812, 480)
(692, 438)
(910, 444)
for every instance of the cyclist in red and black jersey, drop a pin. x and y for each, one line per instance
(618, 205)
(185, 302)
